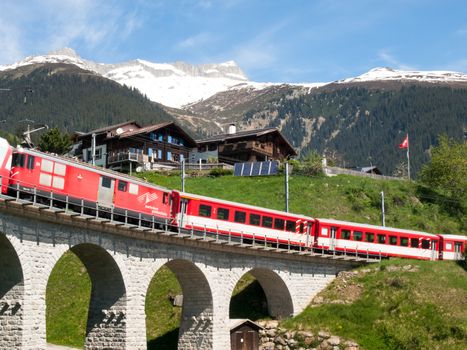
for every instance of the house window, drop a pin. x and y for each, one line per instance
(159, 154)
(212, 147)
(169, 155)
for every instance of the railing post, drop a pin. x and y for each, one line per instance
(97, 210)
(51, 202)
(265, 239)
(204, 234)
(82, 206)
(153, 224)
(241, 237)
(254, 239)
(34, 198)
(66, 203)
(217, 233)
(126, 216)
(112, 213)
(288, 245)
(192, 230)
(17, 191)
(166, 225)
(230, 235)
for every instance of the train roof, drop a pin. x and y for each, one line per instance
(222, 201)
(87, 166)
(458, 237)
(375, 227)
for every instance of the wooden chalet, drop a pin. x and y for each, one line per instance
(128, 145)
(244, 146)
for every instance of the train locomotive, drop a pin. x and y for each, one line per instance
(31, 174)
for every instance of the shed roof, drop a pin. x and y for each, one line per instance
(236, 323)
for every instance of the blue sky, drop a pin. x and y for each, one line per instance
(271, 40)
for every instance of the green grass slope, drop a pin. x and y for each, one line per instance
(394, 308)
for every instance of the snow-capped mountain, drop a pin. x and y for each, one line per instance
(172, 84)
(384, 73)
(181, 84)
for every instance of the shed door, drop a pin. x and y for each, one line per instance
(243, 340)
(106, 191)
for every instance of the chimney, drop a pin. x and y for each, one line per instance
(232, 129)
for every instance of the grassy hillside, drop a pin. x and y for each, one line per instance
(398, 305)
(430, 301)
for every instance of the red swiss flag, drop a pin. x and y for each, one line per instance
(405, 143)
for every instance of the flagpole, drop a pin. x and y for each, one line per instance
(408, 156)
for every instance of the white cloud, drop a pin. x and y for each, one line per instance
(393, 62)
(196, 41)
(52, 24)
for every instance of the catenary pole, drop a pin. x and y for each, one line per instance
(286, 187)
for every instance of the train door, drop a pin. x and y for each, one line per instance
(332, 242)
(457, 250)
(183, 210)
(434, 249)
(105, 195)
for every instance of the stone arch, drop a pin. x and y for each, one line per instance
(279, 299)
(196, 326)
(11, 295)
(106, 328)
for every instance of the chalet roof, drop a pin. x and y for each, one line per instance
(369, 169)
(110, 127)
(151, 128)
(246, 134)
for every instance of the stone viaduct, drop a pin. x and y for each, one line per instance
(121, 261)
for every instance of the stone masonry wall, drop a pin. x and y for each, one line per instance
(121, 269)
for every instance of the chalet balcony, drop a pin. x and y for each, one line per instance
(125, 156)
(248, 146)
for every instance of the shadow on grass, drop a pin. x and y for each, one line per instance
(462, 263)
(250, 303)
(168, 341)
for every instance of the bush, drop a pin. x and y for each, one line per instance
(216, 172)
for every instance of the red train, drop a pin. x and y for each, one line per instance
(37, 175)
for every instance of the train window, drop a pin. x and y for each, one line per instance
(106, 182)
(47, 165)
(404, 241)
(279, 224)
(290, 226)
(345, 234)
(205, 210)
(240, 216)
(222, 214)
(448, 246)
(358, 235)
(393, 240)
(30, 163)
(254, 219)
(414, 242)
(122, 185)
(302, 227)
(133, 188)
(381, 239)
(60, 169)
(369, 237)
(425, 244)
(267, 221)
(18, 159)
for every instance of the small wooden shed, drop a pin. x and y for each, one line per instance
(244, 334)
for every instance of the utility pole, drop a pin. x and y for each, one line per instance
(183, 175)
(286, 187)
(93, 149)
(382, 209)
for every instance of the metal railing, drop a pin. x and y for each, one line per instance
(31, 195)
